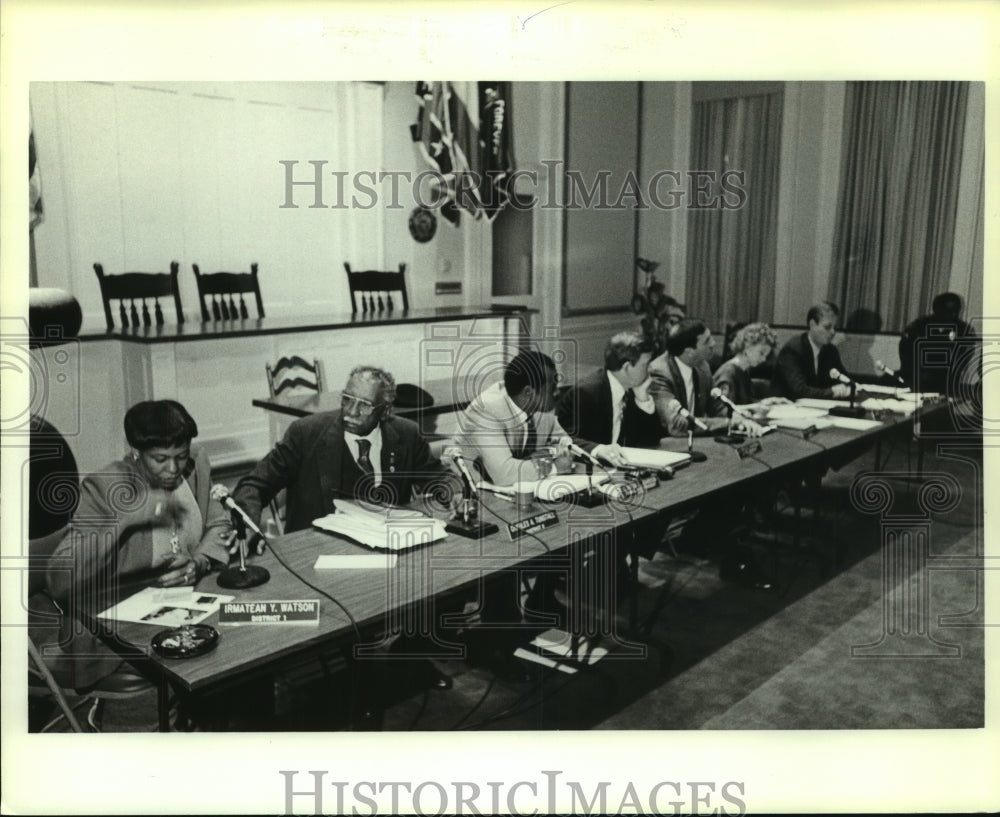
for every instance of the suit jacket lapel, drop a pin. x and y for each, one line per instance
(605, 410)
(328, 457)
(680, 390)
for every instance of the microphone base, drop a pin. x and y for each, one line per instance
(588, 499)
(847, 411)
(233, 578)
(471, 530)
(730, 439)
(697, 456)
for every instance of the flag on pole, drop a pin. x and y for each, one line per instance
(451, 141)
(35, 212)
(496, 145)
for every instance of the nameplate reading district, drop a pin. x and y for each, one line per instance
(269, 612)
(531, 524)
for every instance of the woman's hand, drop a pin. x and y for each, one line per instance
(181, 570)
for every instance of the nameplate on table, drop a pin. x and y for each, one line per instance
(748, 449)
(270, 612)
(531, 524)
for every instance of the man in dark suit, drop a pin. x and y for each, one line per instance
(804, 363)
(361, 451)
(611, 406)
(942, 364)
(681, 382)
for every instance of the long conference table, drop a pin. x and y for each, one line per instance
(380, 597)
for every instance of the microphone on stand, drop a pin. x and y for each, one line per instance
(881, 368)
(692, 421)
(467, 523)
(244, 575)
(730, 438)
(588, 498)
(851, 410)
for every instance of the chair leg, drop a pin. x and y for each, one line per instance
(50, 682)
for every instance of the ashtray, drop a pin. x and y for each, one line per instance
(185, 642)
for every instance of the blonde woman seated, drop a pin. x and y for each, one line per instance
(751, 346)
(145, 521)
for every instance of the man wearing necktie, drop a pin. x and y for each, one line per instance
(804, 363)
(359, 452)
(512, 420)
(681, 379)
(611, 407)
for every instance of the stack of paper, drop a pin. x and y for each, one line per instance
(654, 458)
(387, 528)
(889, 404)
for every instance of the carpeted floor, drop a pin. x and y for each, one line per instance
(723, 655)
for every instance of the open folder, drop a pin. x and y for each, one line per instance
(383, 528)
(655, 458)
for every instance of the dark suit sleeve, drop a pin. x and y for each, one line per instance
(791, 371)
(276, 471)
(568, 411)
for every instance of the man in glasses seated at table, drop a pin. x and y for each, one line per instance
(360, 452)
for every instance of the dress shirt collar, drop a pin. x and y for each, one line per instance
(617, 389)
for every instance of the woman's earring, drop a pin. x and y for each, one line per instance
(134, 455)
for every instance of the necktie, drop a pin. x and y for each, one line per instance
(364, 460)
(627, 400)
(531, 439)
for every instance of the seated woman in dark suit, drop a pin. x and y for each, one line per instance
(751, 347)
(146, 520)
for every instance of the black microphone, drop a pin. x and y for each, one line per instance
(881, 368)
(242, 576)
(455, 455)
(221, 493)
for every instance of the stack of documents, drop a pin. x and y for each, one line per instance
(386, 528)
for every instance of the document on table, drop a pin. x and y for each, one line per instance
(387, 529)
(654, 457)
(355, 561)
(166, 606)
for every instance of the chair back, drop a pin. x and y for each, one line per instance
(293, 374)
(139, 287)
(376, 289)
(217, 291)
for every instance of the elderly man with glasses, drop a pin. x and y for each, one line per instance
(360, 452)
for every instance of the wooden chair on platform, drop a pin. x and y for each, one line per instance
(372, 285)
(136, 287)
(218, 290)
(293, 373)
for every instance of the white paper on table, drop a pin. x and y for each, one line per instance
(802, 423)
(558, 486)
(171, 607)
(784, 411)
(855, 424)
(889, 404)
(388, 528)
(355, 561)
(874, 388)
(817, 403)
(654, 457)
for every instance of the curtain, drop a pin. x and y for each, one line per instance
(731, 252)
(899, 182)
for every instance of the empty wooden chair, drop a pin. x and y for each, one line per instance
(217, 291)
(293, 373)
(139, 289)
(376, 289)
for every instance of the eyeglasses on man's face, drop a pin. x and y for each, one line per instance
(350, 404)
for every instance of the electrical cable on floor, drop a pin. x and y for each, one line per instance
(479, 703)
